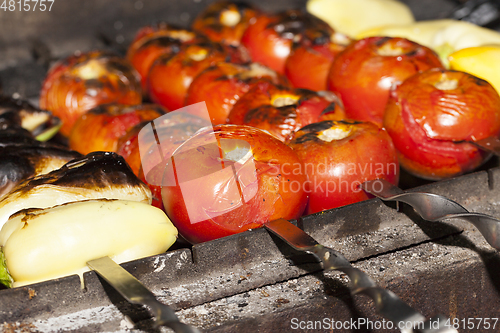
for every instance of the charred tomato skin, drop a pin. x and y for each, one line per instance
(83, 81)
(363, 74)
(281, 111)
(434, 116)
(222, 85)
(170, 76)
(340, 155)
(269, 37)
(221, 197)
(225, 21)
(101, 128)
(152, 42)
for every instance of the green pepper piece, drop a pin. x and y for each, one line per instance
(5, 277)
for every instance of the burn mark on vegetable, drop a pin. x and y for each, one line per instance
(15, 113)
(326, 124)
(310, 132)
(18, 162)
(381, 41)
(479, 81)
(28, 214)
(329, 109)
(212, 16)
(170, 44)
(275, 115)
(412, 53)
(93, 171)
(17, 136)
(115, 64)
(317, 127)
(296, 25)
(305, 94)
(92, 86)
(13, 169)
(321, 40)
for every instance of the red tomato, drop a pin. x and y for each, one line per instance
(83, 81)
(154, 41)
(317, 56)
(363, 74)
(128, 147)
(222, 85)
(171, 130)
(171, 75)
(225, 21)
(281, 111)
(433, 114)
(340, 155)
(269, 38)
(100, 129)
(229, 180)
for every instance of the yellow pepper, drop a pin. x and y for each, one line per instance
(43, 244)
(443, 36)
(481, 61)
(350, 17)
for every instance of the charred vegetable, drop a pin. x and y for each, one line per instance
(82, 81)
(17, 113)
(22, 154)
(20, 162)
(94, 176)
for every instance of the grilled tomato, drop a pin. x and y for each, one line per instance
(84, 80)
(340, 155)
(231, 178)
(434, 116)
(363, 74)
(281, 111)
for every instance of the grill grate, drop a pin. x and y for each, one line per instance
(252, 281)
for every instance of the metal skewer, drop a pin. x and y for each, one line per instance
(433, 207)
(135, 292)
(386, 302)
(479, 12)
